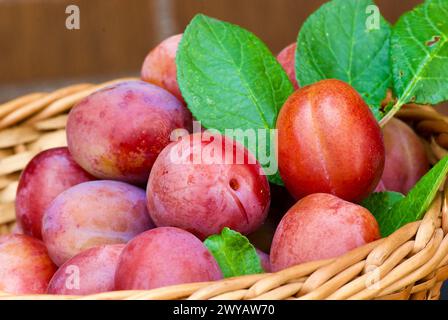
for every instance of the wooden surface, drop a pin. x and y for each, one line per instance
(115, 35)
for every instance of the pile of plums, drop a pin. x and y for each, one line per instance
(128, 204)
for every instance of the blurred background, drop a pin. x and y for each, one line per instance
(38, 52)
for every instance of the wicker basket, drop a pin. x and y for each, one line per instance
(412, 263)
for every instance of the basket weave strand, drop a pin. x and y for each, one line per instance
(411, 263)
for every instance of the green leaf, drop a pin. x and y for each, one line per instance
(335, 42)
(419, 50)
(230, 80)
(415, 204)
(381, 202)
(234, 253)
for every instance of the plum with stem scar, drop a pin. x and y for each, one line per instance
(203, 185)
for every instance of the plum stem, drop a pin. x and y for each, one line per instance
(396, 107)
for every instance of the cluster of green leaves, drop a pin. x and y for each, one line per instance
(419, 51)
